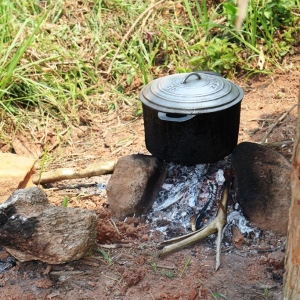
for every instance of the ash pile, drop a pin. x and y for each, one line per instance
(188, 201)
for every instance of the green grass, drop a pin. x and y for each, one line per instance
(56, 60)
(106, 255)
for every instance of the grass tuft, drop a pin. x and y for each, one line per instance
(60, 57)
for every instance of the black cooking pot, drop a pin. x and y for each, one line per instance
(191, 118)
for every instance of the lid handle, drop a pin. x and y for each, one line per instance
(194, 73)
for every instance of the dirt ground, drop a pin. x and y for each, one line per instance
(132, 269)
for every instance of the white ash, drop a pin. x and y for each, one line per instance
(185, 192)
(237, 218)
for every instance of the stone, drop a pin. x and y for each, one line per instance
(15, 173)
(262, 184)
(276, 259)
(237, 237)
(135, 184)
(33, 229)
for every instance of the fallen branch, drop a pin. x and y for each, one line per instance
(276, 123)
(216, 225)
(96, 169)
(141, 16)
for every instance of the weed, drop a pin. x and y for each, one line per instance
(219, 296)
(170, 273)
(154, 266)
(65, 202)
(106, 255)
(215, 55)
(266, 292)
(142, 246)
(186, 266)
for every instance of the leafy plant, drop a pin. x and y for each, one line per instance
(268, 30)
(215, 55)
(269, 24)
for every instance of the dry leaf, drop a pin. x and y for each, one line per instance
(24, 148)
(261, 59)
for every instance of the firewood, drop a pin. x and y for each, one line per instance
(216, 225)
(96, 169)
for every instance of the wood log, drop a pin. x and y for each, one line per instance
(33, 229)
(291, 285)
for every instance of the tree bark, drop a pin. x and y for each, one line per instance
(291, 285)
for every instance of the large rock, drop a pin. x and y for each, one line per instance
(262, 181)
(15, 173)
(134, 184)
(32, 229)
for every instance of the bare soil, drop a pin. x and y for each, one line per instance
(132, 269)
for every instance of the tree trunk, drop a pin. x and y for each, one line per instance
(291, 285)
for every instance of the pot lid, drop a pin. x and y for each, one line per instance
(191, 93)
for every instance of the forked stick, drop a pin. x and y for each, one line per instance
(216, 225)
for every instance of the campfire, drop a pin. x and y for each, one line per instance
(192, 205)
(187, 191)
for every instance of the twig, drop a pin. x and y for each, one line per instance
(147, 17)
(111, 221)
(109, 246)
(124, 146)
(68, 273)
(216, 225)
(278, 144)
(165, 267)
(276, 123)
(151, 295)
(141, 16)
(95, 169)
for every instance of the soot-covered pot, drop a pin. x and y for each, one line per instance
(191, 118)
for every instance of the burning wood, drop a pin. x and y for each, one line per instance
(188, 202)
(188, 192)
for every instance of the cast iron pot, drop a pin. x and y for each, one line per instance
(191, 118)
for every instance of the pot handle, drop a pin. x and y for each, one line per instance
(174, 117)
